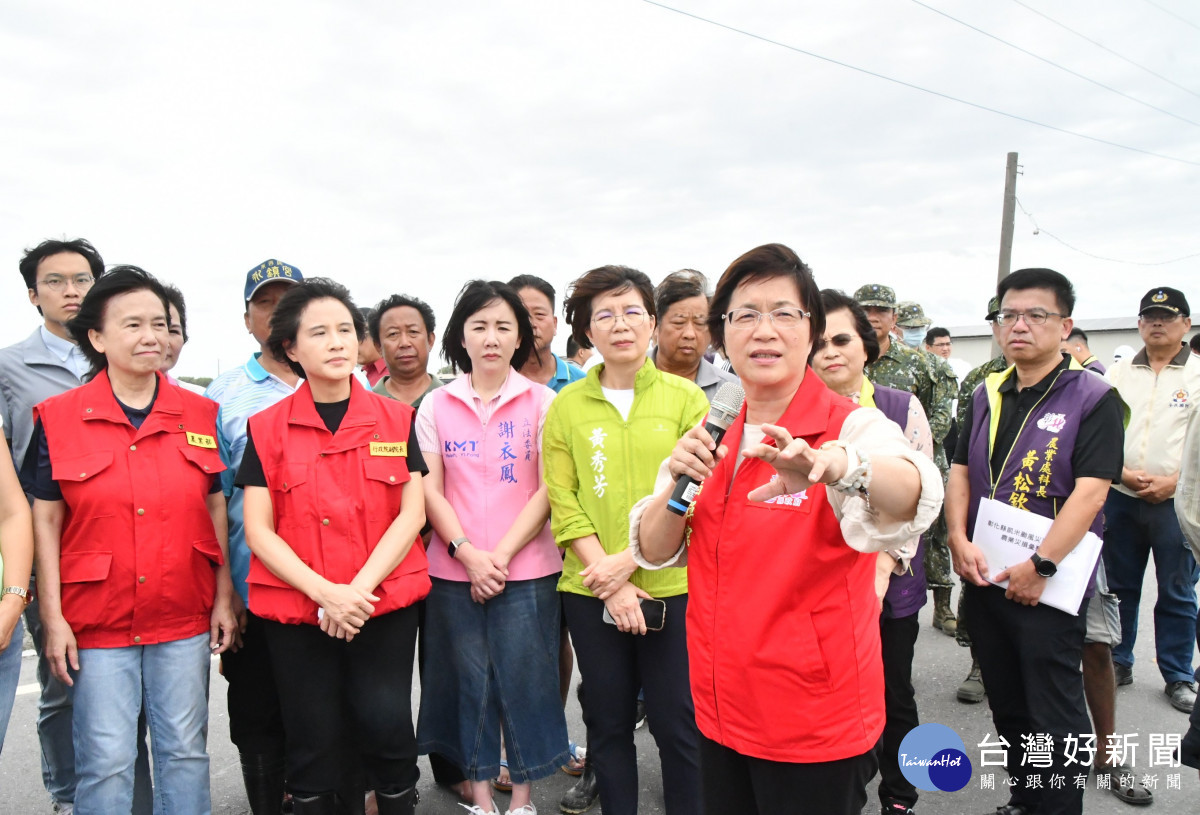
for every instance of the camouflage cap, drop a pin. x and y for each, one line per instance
(993, 308)
(876, 295)
(909, 314)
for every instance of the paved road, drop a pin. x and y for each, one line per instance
(940, 665)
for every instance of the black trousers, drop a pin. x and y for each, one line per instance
(255, 723)
(899, 638)
(735, 784)
(614, 666)
(333, 692)
(1030, 659)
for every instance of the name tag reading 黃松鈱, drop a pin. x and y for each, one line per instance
(200, 440)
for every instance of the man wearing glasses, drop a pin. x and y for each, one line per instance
(1039, 438)
(1160, 383)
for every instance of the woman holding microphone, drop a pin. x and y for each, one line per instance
(333, 514)
(805, 488)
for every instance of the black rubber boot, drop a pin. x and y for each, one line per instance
(397, 803)
(582, 796)
(263, 776)
(323, 804)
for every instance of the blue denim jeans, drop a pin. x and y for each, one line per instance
(111, 686)
(1133, 529)
(10, 675)
(489, 667)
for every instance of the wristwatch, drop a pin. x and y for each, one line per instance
(452, 546)
(1045, 568)
(20, 591)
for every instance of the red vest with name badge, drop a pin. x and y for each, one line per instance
(334, 495)
(138, 549)
(782, 622)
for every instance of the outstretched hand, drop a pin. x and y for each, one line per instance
(799, 466)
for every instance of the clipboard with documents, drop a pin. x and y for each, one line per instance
(1008, 536)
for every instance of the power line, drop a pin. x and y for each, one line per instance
(1183, 20)
(1056, 65)
(1104, 47)
(939, 94)
(1038, 230)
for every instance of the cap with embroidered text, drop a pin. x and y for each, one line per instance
(270, 271)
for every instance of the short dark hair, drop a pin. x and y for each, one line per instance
(175, 298)
(121, 280)
(762, 263)
(936, 333)
(1048, 279)
(399, 301)
(682, 285)
(833, 300)
(1194, 343)
(529, 281)
(590, 285)
(573, 347)
(477, 295)
(285, 320)
(80, 246)
(1077, 332)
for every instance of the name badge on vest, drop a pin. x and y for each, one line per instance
(389, 448)
(200, 440)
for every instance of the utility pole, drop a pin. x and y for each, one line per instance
(1006, 227)
(1010, 211)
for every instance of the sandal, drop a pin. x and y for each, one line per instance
(577, 760)
(1125, 784)
(502, 782)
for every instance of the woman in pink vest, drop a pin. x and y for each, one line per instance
(333, 514)
(492, 618)
(783, 618)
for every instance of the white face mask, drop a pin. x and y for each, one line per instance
(913, 337)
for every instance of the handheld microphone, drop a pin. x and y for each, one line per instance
(725, 407)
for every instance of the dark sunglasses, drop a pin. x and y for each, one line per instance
(837, 341)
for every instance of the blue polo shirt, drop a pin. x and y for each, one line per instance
(241, 393)
(564, 374)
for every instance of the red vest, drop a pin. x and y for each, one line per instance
(334, 495)
(138, 548)
(782, 622)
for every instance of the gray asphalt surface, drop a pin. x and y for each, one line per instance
(940, 665)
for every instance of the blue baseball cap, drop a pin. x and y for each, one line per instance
(270, 271)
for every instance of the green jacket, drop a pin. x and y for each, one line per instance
(598, 465)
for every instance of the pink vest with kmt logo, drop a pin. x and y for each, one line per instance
(490, 473)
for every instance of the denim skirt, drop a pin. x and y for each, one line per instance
(493, 666)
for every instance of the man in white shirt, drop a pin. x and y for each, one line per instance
(1160, 384)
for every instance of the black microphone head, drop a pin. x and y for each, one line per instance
(727, 404)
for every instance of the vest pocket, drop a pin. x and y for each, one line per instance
(81, 468)
(89, 600)
(210, 549)
(84, 567)
(385, 478)
(206, 461)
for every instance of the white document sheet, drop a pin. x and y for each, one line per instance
(1008, 536)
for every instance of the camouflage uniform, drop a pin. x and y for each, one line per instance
(938, 571)
(970, 382)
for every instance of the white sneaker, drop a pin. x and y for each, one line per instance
(474, 810)
(528, 809)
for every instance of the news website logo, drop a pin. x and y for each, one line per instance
(934, 758)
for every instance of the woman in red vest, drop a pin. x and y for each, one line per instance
(132, 565)
(333, 514)
(783, 618)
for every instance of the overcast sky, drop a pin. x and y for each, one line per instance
(409, 147)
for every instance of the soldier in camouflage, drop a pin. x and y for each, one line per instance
(911, 319)
(972, 689)
(910, 370)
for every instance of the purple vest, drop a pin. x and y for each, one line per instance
(1037, 474)
(906, 592)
